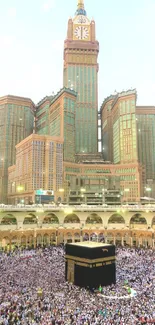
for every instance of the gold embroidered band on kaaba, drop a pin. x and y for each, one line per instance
(90, 263)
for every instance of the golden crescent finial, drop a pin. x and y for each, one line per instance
(80, 4)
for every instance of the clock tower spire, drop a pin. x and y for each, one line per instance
(81, 74)
(80, 8)
(80, 4)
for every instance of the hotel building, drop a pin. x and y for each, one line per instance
(55, 116)
(118, 124)
(145, 120)
(128, 136)
(39, 166)
(16, 123)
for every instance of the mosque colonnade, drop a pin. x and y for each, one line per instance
(40, 227)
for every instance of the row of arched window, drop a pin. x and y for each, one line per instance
(93, 218)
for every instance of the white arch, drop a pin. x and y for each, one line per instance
(72, 218)
(51, 218)
(94, 218)
(9, 219)
(116, 218)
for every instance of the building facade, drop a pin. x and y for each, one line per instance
(16, 123)
(98, 177)
(55, 116)
(119, 130)
(39, 166)
(145, 120)
(42, 116)
(81, 74)
(34, 226)
(128, 135)
(62, 121)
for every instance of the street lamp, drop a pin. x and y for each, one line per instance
(20, 188)
(83, 190)
(148, 189)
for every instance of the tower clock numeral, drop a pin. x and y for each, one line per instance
(81, 32)
(78, 32)
(85, 33)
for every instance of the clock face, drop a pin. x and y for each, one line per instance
(81, 32)
(77, 32)
(85, 33)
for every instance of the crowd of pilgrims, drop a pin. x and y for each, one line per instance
(33, 290)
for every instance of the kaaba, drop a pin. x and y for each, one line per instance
(90, 264)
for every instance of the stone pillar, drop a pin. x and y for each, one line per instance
(26, 243)
(35, 241)
(20, 225)
(114, 239)
(122, 241)
(131, 241)
(42, 241)
(18, 242)
(10, 247)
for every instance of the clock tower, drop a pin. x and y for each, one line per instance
(81, 74)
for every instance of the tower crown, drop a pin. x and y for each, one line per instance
(80, 8)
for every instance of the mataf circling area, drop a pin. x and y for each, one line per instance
(132, 294)
(33, 290)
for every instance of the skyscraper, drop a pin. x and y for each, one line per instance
(119, 140)
(81, 74)
(16, 123)
(55, 116)
(119, 131)
(39, 166)
(145, 120)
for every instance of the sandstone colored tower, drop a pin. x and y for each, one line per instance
(81, 74)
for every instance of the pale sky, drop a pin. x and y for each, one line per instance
(32, 33)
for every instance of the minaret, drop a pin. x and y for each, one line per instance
(81, 74)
